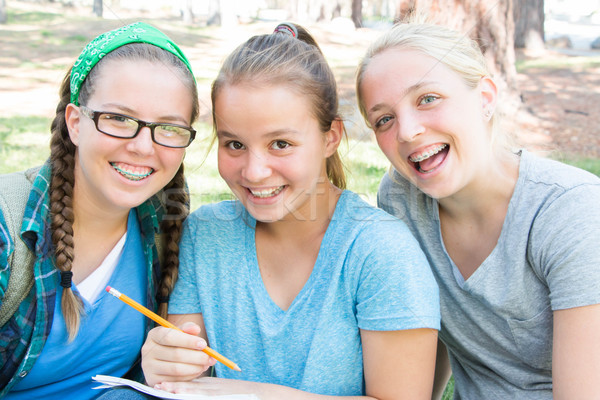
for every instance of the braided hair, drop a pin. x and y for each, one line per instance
(62, 159)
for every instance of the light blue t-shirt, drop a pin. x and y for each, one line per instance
(110, 336)
(370, 274)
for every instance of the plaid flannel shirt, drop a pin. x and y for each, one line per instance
(23, 336)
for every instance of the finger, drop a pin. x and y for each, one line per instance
(168, 371)
(175, 338)
(152, 351)
(190, 328)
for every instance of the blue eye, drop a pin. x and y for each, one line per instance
(280, 145)
(234, 145)
(382, 121)
(428, 99)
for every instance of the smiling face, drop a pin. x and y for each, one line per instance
(427, 121)
(272, 153)
(118, 174)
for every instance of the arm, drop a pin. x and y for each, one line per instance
(170, 355)
(576, 353)
(399, 364)
(442, 371)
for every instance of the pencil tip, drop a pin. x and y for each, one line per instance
(237, 368)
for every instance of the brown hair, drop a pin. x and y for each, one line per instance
(280, 58)
(62, 158)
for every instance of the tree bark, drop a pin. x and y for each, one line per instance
(188, 12)
(404, 10)
(491, 24)
(3, 13)
(357, 13)
(97, 10)
(529, 24)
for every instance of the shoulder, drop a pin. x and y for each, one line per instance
(229, 210)
(550, 186)
(544, 171)
(399, 197)
(355, 211)
(373, 230)
(225, 215)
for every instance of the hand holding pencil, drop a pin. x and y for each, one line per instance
(210, 352)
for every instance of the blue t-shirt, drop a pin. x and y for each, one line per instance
(370, 274)
(110, 336)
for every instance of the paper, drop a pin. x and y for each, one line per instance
(111, 381)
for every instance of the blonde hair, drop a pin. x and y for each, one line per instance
(297, 62)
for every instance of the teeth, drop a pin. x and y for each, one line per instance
(428, 154)
(132, 175)
(266, 192)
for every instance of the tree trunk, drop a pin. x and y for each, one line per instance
(491, 24)
(3, 16)
(188, 12)
(529, 24)
(404, 9)
(214, 13)
(228, 15)
(357, 13)
(98, 8)
(310, 11)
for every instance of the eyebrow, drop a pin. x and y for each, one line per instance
(404, 93)
(129, 111)
(229, 135)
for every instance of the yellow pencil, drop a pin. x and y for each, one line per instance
(157, 318)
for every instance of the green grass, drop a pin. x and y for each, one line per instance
(24, 142)
(558, 62)
(589, 164)
(30, 17)
(448, 392)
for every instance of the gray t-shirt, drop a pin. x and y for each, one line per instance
(497, 325)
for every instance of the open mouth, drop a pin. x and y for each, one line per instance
(428, 159)
(266, 193)
(132, 173)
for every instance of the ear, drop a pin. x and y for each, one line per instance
(72, 118)
(489, 95)
(334, 137)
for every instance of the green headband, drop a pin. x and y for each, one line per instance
(138, 32)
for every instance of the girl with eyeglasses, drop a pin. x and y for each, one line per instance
(313, 292)
(94, 214)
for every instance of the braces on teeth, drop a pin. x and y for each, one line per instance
(132, 176)
(428, 154)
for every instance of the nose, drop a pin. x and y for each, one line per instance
(409, 126)
(256, 167)
(142, 144)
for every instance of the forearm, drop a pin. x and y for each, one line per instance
(264, 391)
(442, 371)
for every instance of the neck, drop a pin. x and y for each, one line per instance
(95, 220)
(488, 193)
(309, 221)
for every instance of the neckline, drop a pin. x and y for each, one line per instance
(256, 282)
(514, 199)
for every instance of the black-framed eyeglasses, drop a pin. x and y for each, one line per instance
(126, 127)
